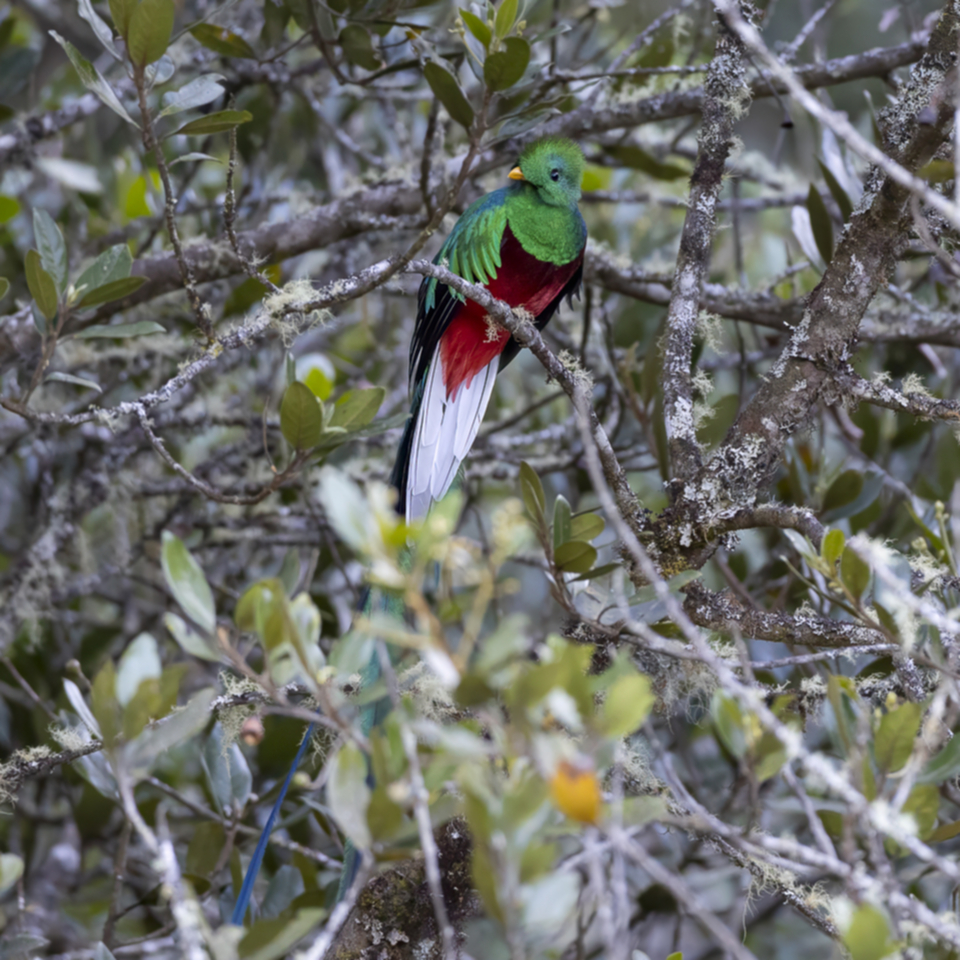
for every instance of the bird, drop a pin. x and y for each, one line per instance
(524, 243)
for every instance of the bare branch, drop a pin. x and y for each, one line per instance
(725, 93)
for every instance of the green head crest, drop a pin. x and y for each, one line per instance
(554, 166)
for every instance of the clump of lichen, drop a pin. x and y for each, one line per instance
(232, 716)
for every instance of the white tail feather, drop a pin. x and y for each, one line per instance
(443, 435)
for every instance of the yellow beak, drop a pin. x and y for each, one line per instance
(516, 174)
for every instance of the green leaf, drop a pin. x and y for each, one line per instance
(80, 706)
(836, 191)
(115, 290)
(832, 547)
(729, 722)
(4, 287)
(113, 264)
(600, 571)
(218, 122)
(896, 733)
(9, 208)
(945, 765)
(575, 556)
(140, 661)
(843, 491)
(348, 794)
(505, 67)
(197, 93)
(356, 408)
(561, 522)
(854, 572)
(189, 640)
(868, 936)
(531, 489)
(275, 18)
(945, 832)
(446, 89)
(11, 869)
(477, 27)
(273, 938)
(248, 293)
(587, 526)
(120, 331)
(484, 875)
(206, 845)
(923, 805)
(59, 376)
(142, 753)
(41, 285)
(820, 223)
(99, 27)
(103, 701)
(187, 583)
(301, 419)
(358, 47)
(505, 18)
(91, 77)
(121, 11)
(151, 25)
(659, 51)
(936, 171)
(628, 703)
(227, 773)
(53, 250)
(255, 606)
(638, 159)
(319, 383)
(222, 41)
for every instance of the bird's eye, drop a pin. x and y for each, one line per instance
(554, 174)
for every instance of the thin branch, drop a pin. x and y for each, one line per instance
(725, 613)
(421, 810)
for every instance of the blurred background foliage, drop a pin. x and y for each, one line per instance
(128, 589)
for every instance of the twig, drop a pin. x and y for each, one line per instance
(421, 810)
(211, 492)
(119, 866)
(170, 207)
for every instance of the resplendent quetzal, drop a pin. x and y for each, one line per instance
(524, 243)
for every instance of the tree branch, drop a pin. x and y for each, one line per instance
(725, 93)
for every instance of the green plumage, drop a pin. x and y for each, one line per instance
(544, 220)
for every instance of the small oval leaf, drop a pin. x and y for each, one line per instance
(115, 290)
(60, 377)
(446, 89)
(505, 67)
(358, 47)
(301, 419)
(218, 122)
(356, 408)
(575, 556)
(506, 17)
(187, 582)
(477, 27)
(120, 331)
(41, 285)
(151, 24)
